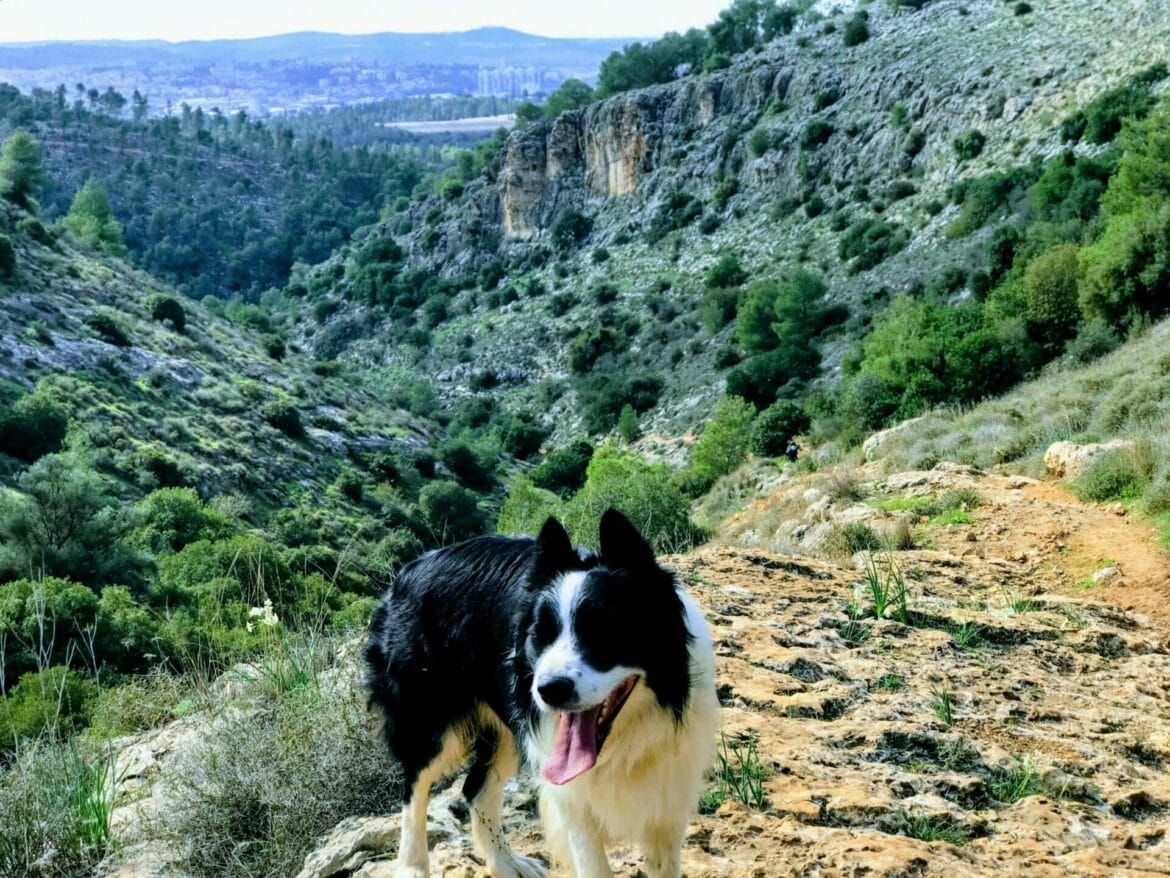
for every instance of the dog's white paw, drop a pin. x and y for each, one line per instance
(403, 870)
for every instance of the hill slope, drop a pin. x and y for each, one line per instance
(838, 160)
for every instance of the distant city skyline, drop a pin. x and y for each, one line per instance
(45, 20)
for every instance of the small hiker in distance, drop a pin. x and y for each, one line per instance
(792, 451)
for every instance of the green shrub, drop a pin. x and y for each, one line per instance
(756, 313)
(678, 210)
(167, 308)
(901, 189)
(765, 377)
(466, 464)
(571, 229)
(450, 511)
(718, 308)
(723, 445)
(91, 220)
(54, 702)
(491, 275)
(1127, 269)
(1071, 187)
(66, 523)
(816, 134)
(1050, 283)
(109, 328)
(7, 258)
(775, 426)
(643, 492)
(1100, 120)
(927, 354)
(563, 471)
(35, 229)
(283, 416)
(628, 425)
(350, 485)
(1156, 499)
(168, 519)
(248, 314)
(21, 171)
(521, 438)
(273, 345)
(1115, 475)
(724, 190)
(856, 29)
(1096, 338)
(969, 144)
(604, 394)
(33, 427)
(760, 141)
(857, 536)
(526, 508)
(869, 242)
(984, 196)
(583, 351)
(727, 272)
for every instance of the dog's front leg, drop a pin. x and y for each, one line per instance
(587, 851)
(662, 851)
(575, 838)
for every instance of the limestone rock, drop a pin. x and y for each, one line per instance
(1067, 460)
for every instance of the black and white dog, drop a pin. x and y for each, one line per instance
(598, 669)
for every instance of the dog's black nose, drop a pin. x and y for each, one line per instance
(558, 692)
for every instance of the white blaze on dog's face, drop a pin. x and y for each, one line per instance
(598, 634)
(564, 661)
(579, 674)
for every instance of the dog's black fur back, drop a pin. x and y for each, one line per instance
(445, 640)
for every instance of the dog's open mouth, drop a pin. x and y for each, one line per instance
(581, 734)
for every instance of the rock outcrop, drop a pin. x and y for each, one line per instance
(1067, 460)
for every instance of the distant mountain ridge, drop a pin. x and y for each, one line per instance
(485, 45)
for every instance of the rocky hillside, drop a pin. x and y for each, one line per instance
(1007, 711)
(218, 403)
(841, 160)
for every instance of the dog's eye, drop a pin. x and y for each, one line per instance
(593, 621)
(547, 626)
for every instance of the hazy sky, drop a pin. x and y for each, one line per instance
(209, 19)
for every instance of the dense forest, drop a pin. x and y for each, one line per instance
(216, 205)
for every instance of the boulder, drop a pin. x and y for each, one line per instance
(1068, 460)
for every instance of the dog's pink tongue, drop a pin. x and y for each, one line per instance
(575, 750)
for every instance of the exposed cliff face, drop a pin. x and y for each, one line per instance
(1009, 75)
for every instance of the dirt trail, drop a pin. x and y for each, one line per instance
(1071, 541)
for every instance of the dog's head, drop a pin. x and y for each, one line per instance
(598, 632)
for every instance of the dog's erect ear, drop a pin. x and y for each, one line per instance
(554, 550)
(621, 544)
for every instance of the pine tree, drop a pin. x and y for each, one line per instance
(91, 220)
(21, 173)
